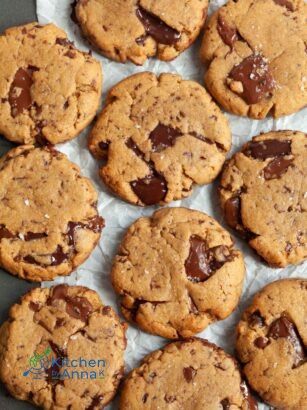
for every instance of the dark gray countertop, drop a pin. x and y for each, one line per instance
(12, 13)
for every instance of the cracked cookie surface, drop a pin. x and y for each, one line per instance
(68, 322)
(137, 29)
(272, 343)
(49, 90)
(257, 56)
(49, 222)
(192, 375)
(177, 272)
(263, 195)
(159, 135)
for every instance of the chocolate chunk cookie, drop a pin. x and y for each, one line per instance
(49, 90)
(61, 348)
(177, 272)
(160, 135)
(264, 196)
(48, 214)
(137, 29)
(272, 343)
(191, 375)
(257, 56)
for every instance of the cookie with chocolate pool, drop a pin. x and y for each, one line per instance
(159, 136)
(263, 194)
(256, 52)
(61, 348)
(189, 274)
(137, 29)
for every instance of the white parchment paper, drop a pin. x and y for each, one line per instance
(95, 272)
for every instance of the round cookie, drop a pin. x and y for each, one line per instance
(177, 272)
(137, 29)
(192, 374)
(271, 344)
(257, 56)
(263, 195)
(49, 222)
(61, 348)
(160, 135)
(49, 90)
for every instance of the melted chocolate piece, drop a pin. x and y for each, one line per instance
(34, 306)
(151, 189)
(132, 145)
(78, 307)
(103, 145)
(95, 224)
(284, 328)
(59, 322)
(225, 404)
(163, 137)
(257, 81)
(57, 350)
(95, 402)
(261, 342)
(20, 92)
(227, 33)
(268, 148)
(202, 262)
(30, 236)
(156, 28)
(50, 378)
(232, 211)
(189, 373)
(256, 319)
(58, 256)
(276, 168)
(5, 233)
(251, 402)
(59, 292)
(285, 3)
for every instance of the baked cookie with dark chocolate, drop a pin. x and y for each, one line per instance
(137, 29)
(177, 272)
(192, 374)
(263, 195)
(49, 222)
(61, 348)
(49, 90)
(256, 51)
(159, 135)
(272, 344)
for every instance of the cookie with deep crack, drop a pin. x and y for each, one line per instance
(191, 374)
(176, 272)
(272, 343)
(137, 29)
(49, 90)
(263, 195)
(257, 56)
(61, 348)
(49, 222)
(160, 136)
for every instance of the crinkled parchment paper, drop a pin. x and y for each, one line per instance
(95, 272)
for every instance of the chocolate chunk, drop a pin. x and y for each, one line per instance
(95, 402)
(163, 137)
(227, 33)
(257, 81)
(261, 342)
(51, 372)
(156, 28)
(30, 236)
(268, 148)
(151, 189)
(59, 292)
(232, 211)
(189, 373)
(225, 404)
(59, 322)
(64, 42)
(5, 233)
(78, 307)
(218, 256)
(30, 259)
(58, 256)
(94, 224)
(284, 328)
(276, 168)
(132, 145)
(251, 402)
(256, 319)
(104, 145)
(144, 398)
(57, 350)
(34, 306)
(285, 3)
(20, 91)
